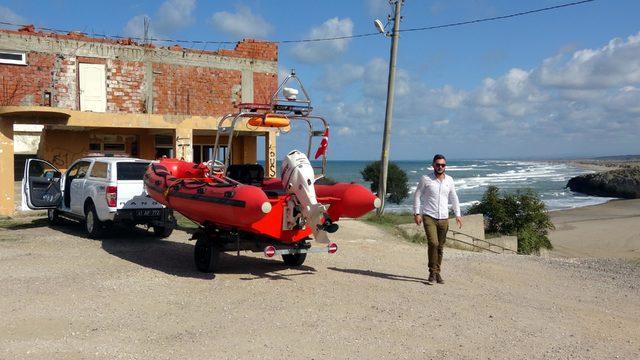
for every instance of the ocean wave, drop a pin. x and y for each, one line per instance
(468, 203)
(575, 202)
(465, 168)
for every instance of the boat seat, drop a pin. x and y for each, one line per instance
(250, 174)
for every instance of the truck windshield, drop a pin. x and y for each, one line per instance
(131, 170)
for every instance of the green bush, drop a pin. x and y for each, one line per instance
(531, 240)
(397, 188)
(522, 214)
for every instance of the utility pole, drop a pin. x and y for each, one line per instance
(388, 115)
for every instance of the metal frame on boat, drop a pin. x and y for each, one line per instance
(291, 108)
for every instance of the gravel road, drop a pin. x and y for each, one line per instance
(130, 296)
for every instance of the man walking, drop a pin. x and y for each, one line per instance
(431, 208)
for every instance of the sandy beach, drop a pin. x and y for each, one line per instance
(610, 230)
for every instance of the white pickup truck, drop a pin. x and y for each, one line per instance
(97, 191)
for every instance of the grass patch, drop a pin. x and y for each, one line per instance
(390, 221)
(416, 238)
(17, 224)
(185, 224)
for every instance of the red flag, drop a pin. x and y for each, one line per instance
(324, 143)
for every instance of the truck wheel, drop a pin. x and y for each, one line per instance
(162, 231)
(294, 259)
(53, 217)
(92, 225)
(206, 255)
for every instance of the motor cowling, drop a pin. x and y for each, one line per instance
(298, 179)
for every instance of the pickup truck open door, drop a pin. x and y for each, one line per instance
(41, 185)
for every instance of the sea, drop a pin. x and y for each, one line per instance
(472, 177)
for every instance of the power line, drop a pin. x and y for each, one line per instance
(214, 42)
(497, 17)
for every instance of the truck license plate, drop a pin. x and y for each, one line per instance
(148, 212)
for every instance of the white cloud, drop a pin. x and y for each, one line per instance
(173, 15)
(378, 7)
(322, 51)
(243, 23)
(448, 97)
(338, 77)
(376, 77)
(135, 27)
(7, 15)
(615, 64)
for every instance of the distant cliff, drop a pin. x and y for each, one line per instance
(622, 183)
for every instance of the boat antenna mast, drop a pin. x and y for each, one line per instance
(286, 100)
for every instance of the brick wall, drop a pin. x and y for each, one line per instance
(124, 87)
(195, 90)
(25, 85)
(264, 85)
(65, 82)
(253, 49)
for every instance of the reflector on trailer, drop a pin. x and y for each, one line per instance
(269, 251)
(333, 247)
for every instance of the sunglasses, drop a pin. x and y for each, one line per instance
(440, 165)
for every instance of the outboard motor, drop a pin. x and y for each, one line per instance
(298, 179)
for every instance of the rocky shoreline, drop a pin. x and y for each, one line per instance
(623, 182)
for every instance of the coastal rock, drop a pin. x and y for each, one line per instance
(622, 183)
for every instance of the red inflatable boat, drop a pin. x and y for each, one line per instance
(239, 209)
(225, 203)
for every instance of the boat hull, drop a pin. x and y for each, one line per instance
(259, 210)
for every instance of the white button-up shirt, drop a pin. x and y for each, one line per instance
(432, 197)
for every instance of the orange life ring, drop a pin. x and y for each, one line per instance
(269, 120)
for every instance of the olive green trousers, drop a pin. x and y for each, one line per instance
(436, 231)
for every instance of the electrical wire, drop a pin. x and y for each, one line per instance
(213, 42)
(496, 17)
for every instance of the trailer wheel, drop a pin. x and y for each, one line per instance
(294, 259)
(206, 255)
(162, 231)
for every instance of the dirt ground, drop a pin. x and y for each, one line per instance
(131, 296)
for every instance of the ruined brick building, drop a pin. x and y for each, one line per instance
(64, 96)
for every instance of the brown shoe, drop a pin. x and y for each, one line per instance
(439, 279)
(432, 278)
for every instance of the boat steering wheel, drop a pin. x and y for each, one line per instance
(215, 167)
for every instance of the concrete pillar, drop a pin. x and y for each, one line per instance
(184, 144)
(148, 86)
(247, 86)
(270, 161)
(7, 206)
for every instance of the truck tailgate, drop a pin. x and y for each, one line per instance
(131, 195)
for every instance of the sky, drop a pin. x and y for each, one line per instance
(558, 84)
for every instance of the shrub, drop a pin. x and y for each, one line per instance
(397, 188)
(531, 240)
(522, 214)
